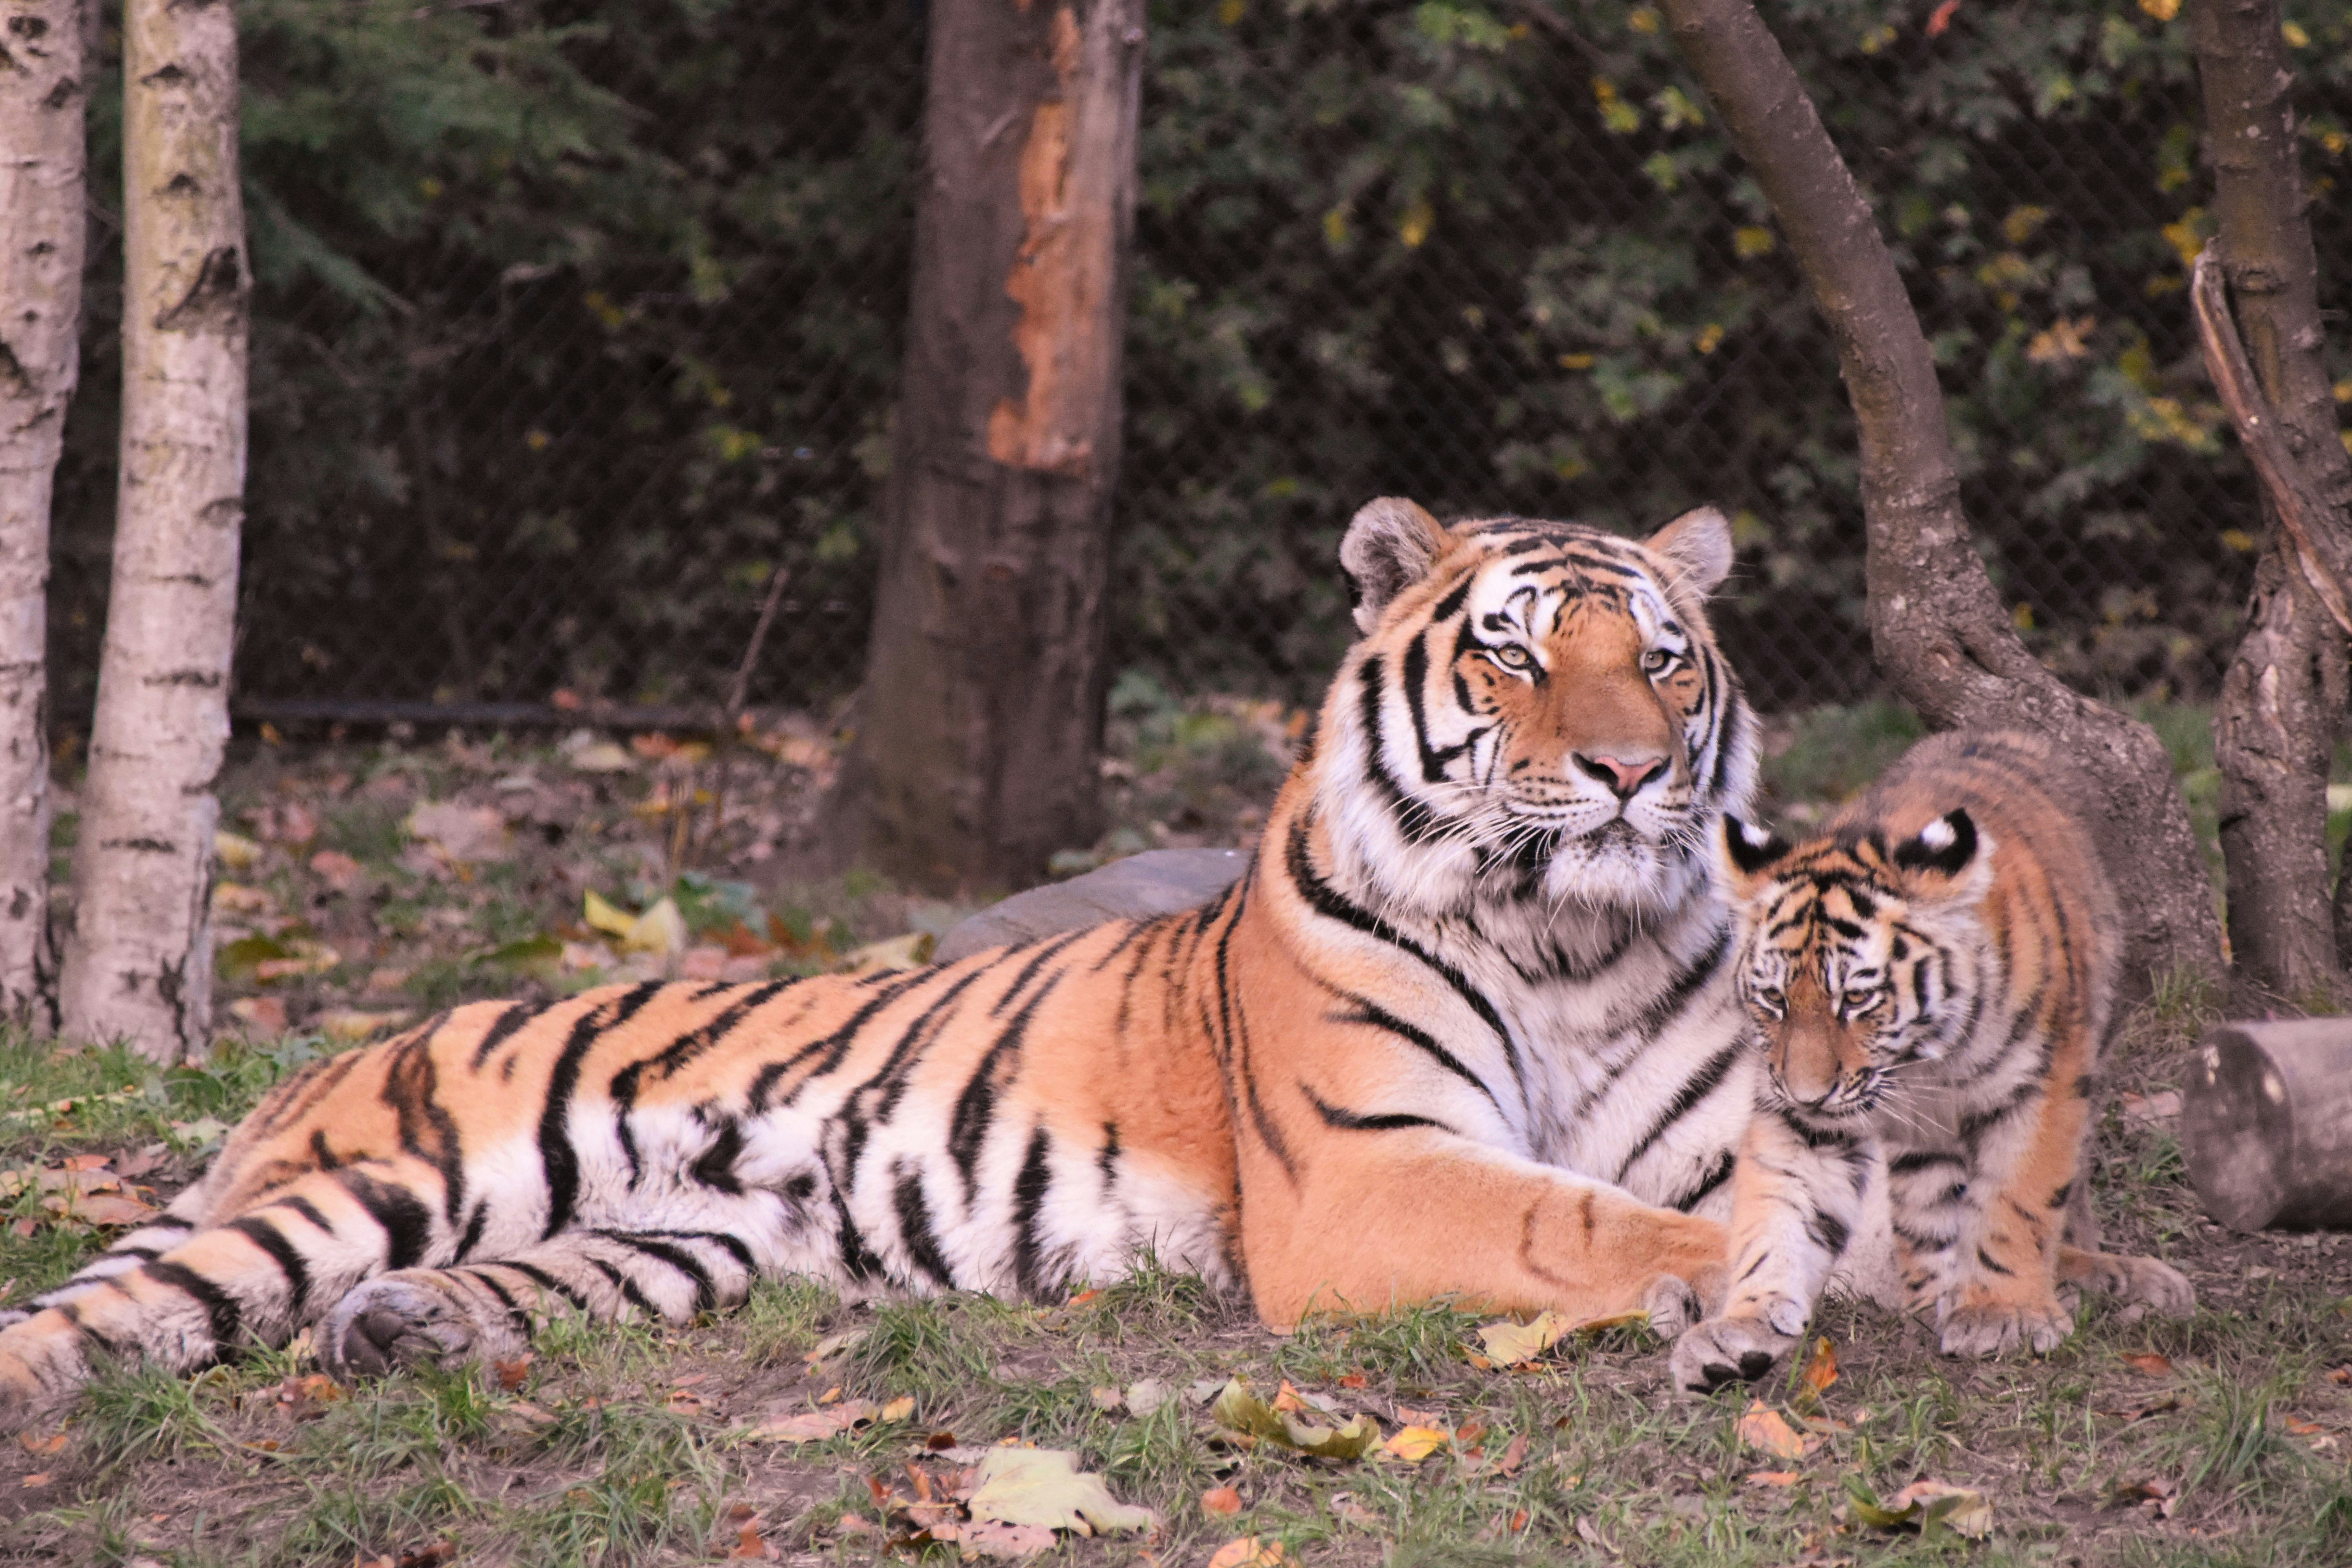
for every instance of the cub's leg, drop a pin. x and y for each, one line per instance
(2141, 1281)
(2003, 1292)
(478, 1310)
(210, 1285)
(1797, 1196)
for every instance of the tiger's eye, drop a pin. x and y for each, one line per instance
(1511, 657)
(1658, 660)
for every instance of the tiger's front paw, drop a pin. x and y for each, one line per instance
(1996, 1328)
(411, 1319)
(2134, 1281)
(1728, 1350)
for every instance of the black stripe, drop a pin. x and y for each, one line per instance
(1326, 902)
(915, 1231)
(716, 1168)
(734, 1245)
(407, 1223)
(1829, 1231)
(307, 1210)
(546, 1281)
(1986, 1259)
(626, 1286)
(706, 1296)
(1029, 1197)
(517, 1015)
(1415, 821)
(264, 1235)
(975, 1111)
(1701, 1084)
(219, 1306)
(515, 1314)
(1708, 1182)
(834, 1046)
(860, 1262)
(1357, 1121)
(473, 1236)
(557, 1158)
(1912, 1160)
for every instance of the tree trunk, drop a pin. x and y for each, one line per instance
(2283, 696)
(139, 959)
(979, 743)
(1936, 624)
(42, 223)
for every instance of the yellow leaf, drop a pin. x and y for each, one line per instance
(1250, 1419)
(2162, 10)
(601, 916)
(1414, 1444)
(236, 854)
(1752, 242)
(1413, 228)
(911, 950)
(900, 1409)
(1963, 1510)
(1769, 1432)
(1045, 1486)
(1510, 1344)
(2295, 37)
(349, 1025)
(660, 930)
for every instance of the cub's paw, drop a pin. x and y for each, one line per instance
(1673, 1305)
(1996, 1328)
(410, 1318)
(1728, 1350)
(2135, 1281)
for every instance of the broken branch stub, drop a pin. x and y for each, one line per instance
(2267, 1124)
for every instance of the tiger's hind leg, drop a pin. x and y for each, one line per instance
(446, 1317)
(179, 1293)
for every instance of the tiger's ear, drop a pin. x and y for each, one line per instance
(1389, 547)
(1750, 853)
(1698, 545)
(1947, 859)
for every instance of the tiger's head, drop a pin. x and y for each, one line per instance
(1860, 951)
(1535, 711)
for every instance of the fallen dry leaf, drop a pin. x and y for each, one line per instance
(1045, 1486)
(462, 835)
(512, 1374)
(989, 1538)
(1414, 1444)
(1216, 1500)
(1146, 1394)
(1931, 1505)
(1513, 1454)
(911, 950)
(900, 1409)
(2149, 1362)
(236, 853)
(1105, 1399)
(1773, 1477)
(350, 1025)
(337, 870)
(1821, 1368)
(815, 1426)
(259, 1015)
(1248, 1419)
(52, 1443)
(1769, 1432)
(1248, 1551)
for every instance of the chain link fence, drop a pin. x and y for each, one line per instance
(622, 352)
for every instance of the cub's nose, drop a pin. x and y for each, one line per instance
(1623, 775)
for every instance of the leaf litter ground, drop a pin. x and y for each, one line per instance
(1144, 1421)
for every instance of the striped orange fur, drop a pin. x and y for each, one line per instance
(1464, 1029)
(1932, 977)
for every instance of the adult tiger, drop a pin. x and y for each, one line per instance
(1465, 1028)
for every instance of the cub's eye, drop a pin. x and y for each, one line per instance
(1861, 1000)
(1510, 656)
(1658, 660)
(1770, 997)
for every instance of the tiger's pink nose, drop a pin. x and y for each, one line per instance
(1623, 775)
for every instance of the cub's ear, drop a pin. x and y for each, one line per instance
(1946, 848)
(1698, 545)
(1750, 853)
(1388, 548)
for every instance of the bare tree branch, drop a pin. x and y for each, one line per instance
(1937, 625)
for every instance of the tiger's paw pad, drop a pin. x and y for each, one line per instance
(1728, 1350)
(1999, 1328)
(390, 1322)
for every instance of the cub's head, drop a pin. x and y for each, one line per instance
(1860, 951)
(1535, 710)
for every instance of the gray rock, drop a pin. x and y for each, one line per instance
(1157, 882)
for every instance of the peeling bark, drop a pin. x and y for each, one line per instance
(979, 743)
(139, 960)
(1936, 625)
(2283, 695)
(43, 189)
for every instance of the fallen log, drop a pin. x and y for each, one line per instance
(2267, 1124)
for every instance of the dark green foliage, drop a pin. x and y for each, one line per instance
(577, 319)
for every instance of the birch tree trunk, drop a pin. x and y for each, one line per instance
(978, 748)
(1936, 624)
(139, 960)
(42, 224)
(2283, 698)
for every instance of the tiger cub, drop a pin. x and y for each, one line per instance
(1931, 979)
